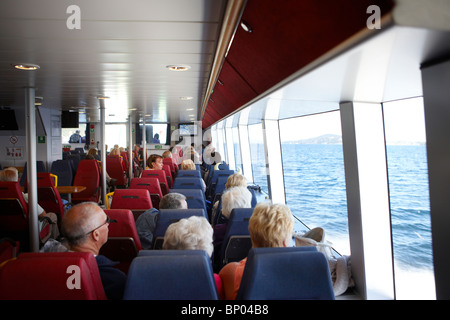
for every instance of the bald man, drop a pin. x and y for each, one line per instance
(85, 228)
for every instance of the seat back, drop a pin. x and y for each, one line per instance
(8, 249)
(169, 178)
(136, 200)
(40, 167)
(269, 275)
(126, 161)
(236, 242)
(13, 208)
(172, 166)
(48, 196)
(63, 169)
(195, 198)
(123, 242)
(212, 181)
(52, 276)
(115, 170)
(161, 176)
(189, 174)
(171, 275)
(152, 185)
(87, 175)
(219, 188)
(169, 216)
(188, 183)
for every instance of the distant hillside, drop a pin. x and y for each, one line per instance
(337, 139)
(324, 139)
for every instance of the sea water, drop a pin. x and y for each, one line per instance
(315, 192)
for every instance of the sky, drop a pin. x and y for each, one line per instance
(404, 122)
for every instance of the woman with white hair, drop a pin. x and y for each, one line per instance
(193, 233)
(236, 197)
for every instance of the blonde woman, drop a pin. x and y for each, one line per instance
(188, 164)
(271, 225)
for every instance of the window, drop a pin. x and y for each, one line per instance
(255, 135)
(67, 132)
(116, 134)
(314, 174)
(409, 198)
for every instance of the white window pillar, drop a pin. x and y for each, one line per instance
(368, 199)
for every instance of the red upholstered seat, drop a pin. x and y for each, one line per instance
(48, 196)
(87, 175)
(52, 276)
(115, 168)
(161, 175)
(152, 185)
(123, 242)
(136, 200)
(13, 210)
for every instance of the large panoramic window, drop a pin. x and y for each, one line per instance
(255, 136)
(409, 198)
(314, 174)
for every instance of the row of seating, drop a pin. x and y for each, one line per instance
(168, 275)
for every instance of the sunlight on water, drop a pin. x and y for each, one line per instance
(414, 284)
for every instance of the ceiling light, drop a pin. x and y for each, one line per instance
(26, 66)
(186, 98)
(178, 67)
(246, 26)
(189, 109)
(102, 97)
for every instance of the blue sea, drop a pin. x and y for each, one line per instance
(315, 192)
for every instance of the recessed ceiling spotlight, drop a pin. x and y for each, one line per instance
(178, 67)
(186, 98)
(246, 26)
(26, 66)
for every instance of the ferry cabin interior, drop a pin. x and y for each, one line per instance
(246, 61)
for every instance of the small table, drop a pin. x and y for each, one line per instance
(69, 190)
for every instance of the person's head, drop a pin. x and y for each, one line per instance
(167, 154)
(173, 200)
(77, 131)
(92, 151)
(188, 164)
(155, 161)
(236, 180)
(85, 227)
(9, 174)
(236, 197)
(156, 136)
(193, 233)
(271, 225)
(115, 152)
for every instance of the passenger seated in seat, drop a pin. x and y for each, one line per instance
(11, 174)
(193, 233)
(190, 165)
(85, 228)
(235, 180)
(236, 197)
(271, 225)
(146, 223)
(154, 162)
(173, 200)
